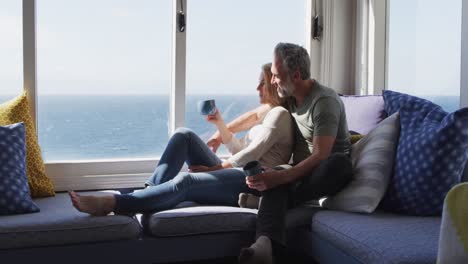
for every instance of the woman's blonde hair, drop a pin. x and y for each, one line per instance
(271, 93)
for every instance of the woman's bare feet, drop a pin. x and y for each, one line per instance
(93, 205)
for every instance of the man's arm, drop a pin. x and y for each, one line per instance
(322, 146)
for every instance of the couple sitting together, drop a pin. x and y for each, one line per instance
(297, 116)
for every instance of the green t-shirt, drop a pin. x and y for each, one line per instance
(321, 114)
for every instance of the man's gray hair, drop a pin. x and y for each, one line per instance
(295, 58)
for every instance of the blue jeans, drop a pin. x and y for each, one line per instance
(169, 186)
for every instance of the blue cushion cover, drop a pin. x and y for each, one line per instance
(431, 154)
(15, 197)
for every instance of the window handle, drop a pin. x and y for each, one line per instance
(181, 21)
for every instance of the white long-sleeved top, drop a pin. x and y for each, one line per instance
(270, 142)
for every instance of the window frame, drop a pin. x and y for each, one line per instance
(111, 173)
(371, 47)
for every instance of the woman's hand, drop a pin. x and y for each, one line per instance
(214, 142)
(215, 119)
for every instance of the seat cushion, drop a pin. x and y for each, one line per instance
(379, 237)
(200, 220)
(58, 223)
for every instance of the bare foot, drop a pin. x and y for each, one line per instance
(93, 205)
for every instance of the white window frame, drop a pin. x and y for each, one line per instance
(371, 48)
(109, 173)
(464, 57)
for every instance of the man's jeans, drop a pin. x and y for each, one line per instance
(327, 179)
(169, 186)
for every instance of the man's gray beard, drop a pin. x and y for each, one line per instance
(287, 90)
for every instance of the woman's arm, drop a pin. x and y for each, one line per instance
(241, 123)
(249, 119)
(273, 130)
(223, 131)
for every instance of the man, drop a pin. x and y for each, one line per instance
(321, 153)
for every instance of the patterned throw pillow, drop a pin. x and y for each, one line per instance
(372, 158)
(431, 154)
(16, 111)
(14, 189)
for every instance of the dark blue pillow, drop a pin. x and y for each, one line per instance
(14, 190)
(431, 154)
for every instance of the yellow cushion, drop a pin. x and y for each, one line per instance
(356, 138)
(15, 111)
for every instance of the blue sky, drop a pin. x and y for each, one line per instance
(121, 47)
(109, 46)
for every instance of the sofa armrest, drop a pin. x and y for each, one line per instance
(453, 242)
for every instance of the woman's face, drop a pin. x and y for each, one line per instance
(261, 87)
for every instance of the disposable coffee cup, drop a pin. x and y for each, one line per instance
(252, 168)
(206, 107)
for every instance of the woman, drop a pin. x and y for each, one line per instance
(209, 180)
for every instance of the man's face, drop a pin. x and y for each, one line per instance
(281, 79)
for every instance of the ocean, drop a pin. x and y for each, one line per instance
(119, 127)
(83, 127)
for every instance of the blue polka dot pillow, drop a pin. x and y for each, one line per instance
(431, 154)
(15, 197)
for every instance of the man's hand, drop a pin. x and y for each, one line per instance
(214, 142)
(264, 181)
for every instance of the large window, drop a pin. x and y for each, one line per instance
(227, 43)
(103, 78)
(424, 50)
(11, 49)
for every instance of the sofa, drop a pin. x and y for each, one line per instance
(193, 233)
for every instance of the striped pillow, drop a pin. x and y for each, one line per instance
(372, 159)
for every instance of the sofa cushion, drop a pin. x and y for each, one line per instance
(380, 237)
(16, 111)
(372, 159)
(60, 223)
(200, 220)
(15, 197)
(431, 154)
(363, 113)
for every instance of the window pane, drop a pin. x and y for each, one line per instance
(227, 43)
(424, 50)
(103, 78)
(11, 49)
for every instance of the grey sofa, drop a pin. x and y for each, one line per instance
(192, 232)
(59, 232)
